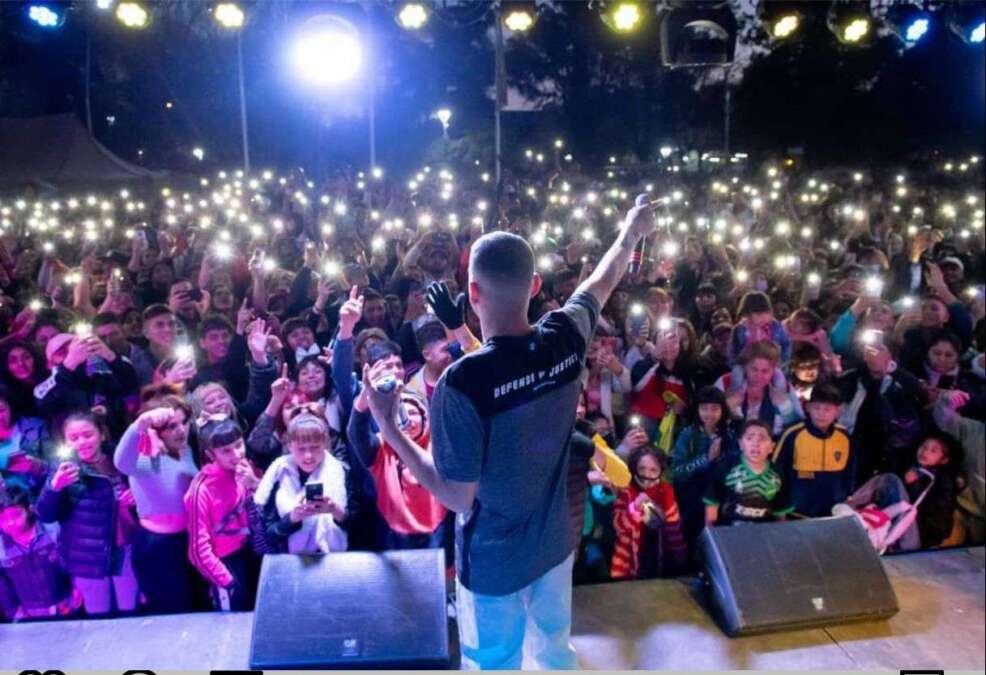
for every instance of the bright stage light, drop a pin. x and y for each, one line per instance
(916, 30)
(229, 15)
(518, 16)
(850, 22)
(856, 30)
(623, 17)
(978, 34)
(132, 15)
(413, 16)
(785, 26)
(44, 16)
(327, 52)
(626, 17)
(519, 22)
(104, 4)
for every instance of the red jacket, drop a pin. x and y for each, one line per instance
(217, 522)
(629, 525)
(405, 505)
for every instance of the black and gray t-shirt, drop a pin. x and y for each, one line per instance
(502, 416)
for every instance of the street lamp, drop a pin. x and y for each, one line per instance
(132, 15)
(230, 16)
(327, 52)
(443, 115)
(413, 16)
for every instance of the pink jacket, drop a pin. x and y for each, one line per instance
(218, 523)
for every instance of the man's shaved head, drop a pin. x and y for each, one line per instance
(502, 266)
(502, 261)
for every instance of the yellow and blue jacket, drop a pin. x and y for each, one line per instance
(819, 467)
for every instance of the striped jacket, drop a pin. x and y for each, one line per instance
(629, 524)
(218, 522)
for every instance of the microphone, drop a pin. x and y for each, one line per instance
(637, 257)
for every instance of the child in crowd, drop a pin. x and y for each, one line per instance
(815, 457)
(757, 323)
(649, 541)
(700, 446)
(747, 489)
(412, 516)
(34, 583)
(886, 503)
(155, 454)
(218, 504)
(91, 501)
(302, 496)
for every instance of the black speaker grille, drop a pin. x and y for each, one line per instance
(352, 610)
(795, 574)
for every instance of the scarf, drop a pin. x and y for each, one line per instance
(318, 534)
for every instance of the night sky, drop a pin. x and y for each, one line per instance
(615, 97)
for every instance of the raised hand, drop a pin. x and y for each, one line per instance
(640, 219)
(183, 371)
(281, 387)
(257, 341)
(155, 418)
(383, 405)
(350, 313)
(243, 316)
(450, 312)
(66, 474)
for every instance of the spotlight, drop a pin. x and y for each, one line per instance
(104, 4)
(697, 33)
(229, 15)
(45, 16)
(412, 16)
(785, 26)
(850, 22)
(916, 30)
(327, 51)
(132, 15)
(968, 21)
(623, 17)
(782, 19)
(518, 17)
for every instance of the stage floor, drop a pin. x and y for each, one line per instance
(637, 625)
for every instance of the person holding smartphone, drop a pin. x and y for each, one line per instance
(302, 497)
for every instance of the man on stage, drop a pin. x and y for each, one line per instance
(501, 421)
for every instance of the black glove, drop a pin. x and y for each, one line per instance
(451, 314)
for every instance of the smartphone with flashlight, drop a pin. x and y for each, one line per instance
(872, 337)
(637, 318)
(873, 287)
(665, 327)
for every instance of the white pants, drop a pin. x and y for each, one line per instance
(99, 594)
(492, 627)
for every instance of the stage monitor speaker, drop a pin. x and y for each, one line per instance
(352, 610)
(794, 574)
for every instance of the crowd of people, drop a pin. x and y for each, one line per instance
(185, 371)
